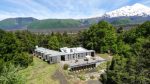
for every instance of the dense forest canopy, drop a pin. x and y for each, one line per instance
(101, 37)
(131, 62)
(130, 48)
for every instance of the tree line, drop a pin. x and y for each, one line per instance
(16, 50)
(130, 49)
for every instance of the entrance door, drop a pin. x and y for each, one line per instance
(62, 57)
(92, 54)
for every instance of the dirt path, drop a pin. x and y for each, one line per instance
(59, 76)
(93, 82)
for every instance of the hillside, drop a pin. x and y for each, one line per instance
(40, 72)
(124, 20)
(16, 23)
(55, 23)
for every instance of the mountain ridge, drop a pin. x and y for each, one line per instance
(122, 18)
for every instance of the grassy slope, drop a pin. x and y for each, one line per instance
(6, 23)
(12, 23)
(105, 56)
(40, 72)
(54, 23)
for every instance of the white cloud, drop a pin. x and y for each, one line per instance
(43, 9)
(69, 10)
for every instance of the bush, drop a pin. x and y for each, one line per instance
(10, 75)
(82, 77)
(92, 77)
(66, 66)
(23, 59)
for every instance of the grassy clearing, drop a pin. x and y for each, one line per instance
(40, 72)
(103, 65)
(105, 56)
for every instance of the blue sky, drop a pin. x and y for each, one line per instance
(43, 9)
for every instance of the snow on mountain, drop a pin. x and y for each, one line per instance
(134, 10)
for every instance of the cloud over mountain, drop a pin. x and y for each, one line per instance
(43, 9)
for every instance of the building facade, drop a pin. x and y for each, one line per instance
(77, 58)
(65, 54)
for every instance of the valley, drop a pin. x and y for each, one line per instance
(74, 42)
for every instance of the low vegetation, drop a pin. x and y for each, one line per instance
(66, 66)
(92, 77)
(102, 66)
(106, 56)
(82, 77)
(39, 72)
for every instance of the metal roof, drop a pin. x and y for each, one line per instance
(49, 52)
(64, 51)
(74, 50)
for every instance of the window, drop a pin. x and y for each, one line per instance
(51, 58)
(68, 57)
(63, 58)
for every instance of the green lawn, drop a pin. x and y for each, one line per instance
(105, 56)
(40, 72)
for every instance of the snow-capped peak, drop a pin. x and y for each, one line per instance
(134, 10)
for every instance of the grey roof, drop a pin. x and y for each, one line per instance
(74, 50)
(49, 52)
(64, 51)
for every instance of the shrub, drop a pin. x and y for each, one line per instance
(23, 59)
(92, 77)
(10, 75)
(81, 77)
(66, 66)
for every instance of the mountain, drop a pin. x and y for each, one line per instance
(16, 23)
(135, 14)
(134, 10)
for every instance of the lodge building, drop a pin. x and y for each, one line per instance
(74, 57)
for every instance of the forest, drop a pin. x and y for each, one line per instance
(130, 50)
